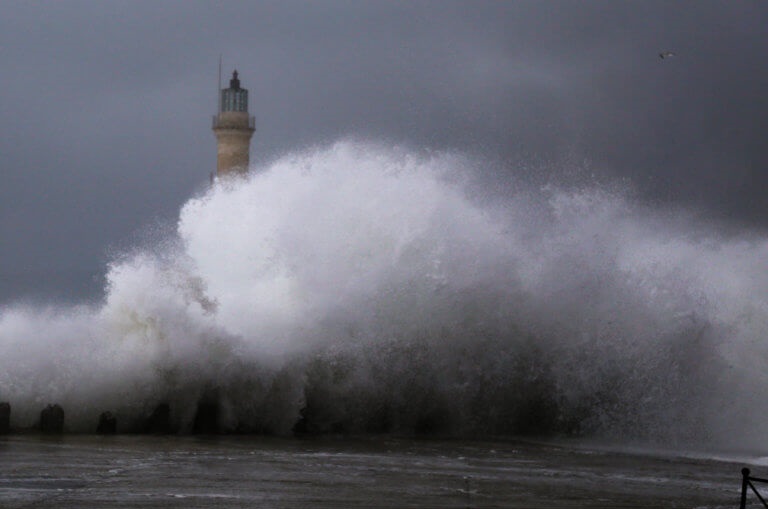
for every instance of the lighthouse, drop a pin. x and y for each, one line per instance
(233, 127)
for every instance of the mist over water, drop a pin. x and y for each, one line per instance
(361, 288)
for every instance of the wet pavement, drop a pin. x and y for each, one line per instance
(124, 471)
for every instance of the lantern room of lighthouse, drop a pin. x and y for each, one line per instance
(233, 127)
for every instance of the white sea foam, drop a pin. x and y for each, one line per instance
(362, 288)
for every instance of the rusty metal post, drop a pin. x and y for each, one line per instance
(744, 483)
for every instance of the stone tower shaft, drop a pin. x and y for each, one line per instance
(233, 127)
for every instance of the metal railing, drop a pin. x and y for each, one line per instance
(251, 122)
(746, 482)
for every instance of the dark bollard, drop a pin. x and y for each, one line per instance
(52, 419)
(107, 424)
(160, 420)
(302, 425)
(206, 418)
(5, 418)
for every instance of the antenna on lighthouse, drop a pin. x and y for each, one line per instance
(218, 87)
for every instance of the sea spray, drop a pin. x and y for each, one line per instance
(361, 288)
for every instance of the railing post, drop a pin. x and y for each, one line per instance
(744, 483)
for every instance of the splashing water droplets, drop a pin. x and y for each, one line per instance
(361, 288)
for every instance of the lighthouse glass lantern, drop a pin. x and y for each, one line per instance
(234, 98)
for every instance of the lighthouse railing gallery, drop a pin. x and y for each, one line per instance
(746, 482)
(217, 122)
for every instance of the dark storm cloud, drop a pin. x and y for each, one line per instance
(106, 106)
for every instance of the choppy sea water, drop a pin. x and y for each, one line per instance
(81, 471)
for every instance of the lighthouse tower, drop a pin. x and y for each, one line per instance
(233, 128)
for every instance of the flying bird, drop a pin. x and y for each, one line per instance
(666, 54)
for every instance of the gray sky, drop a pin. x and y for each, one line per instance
(105, 107)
